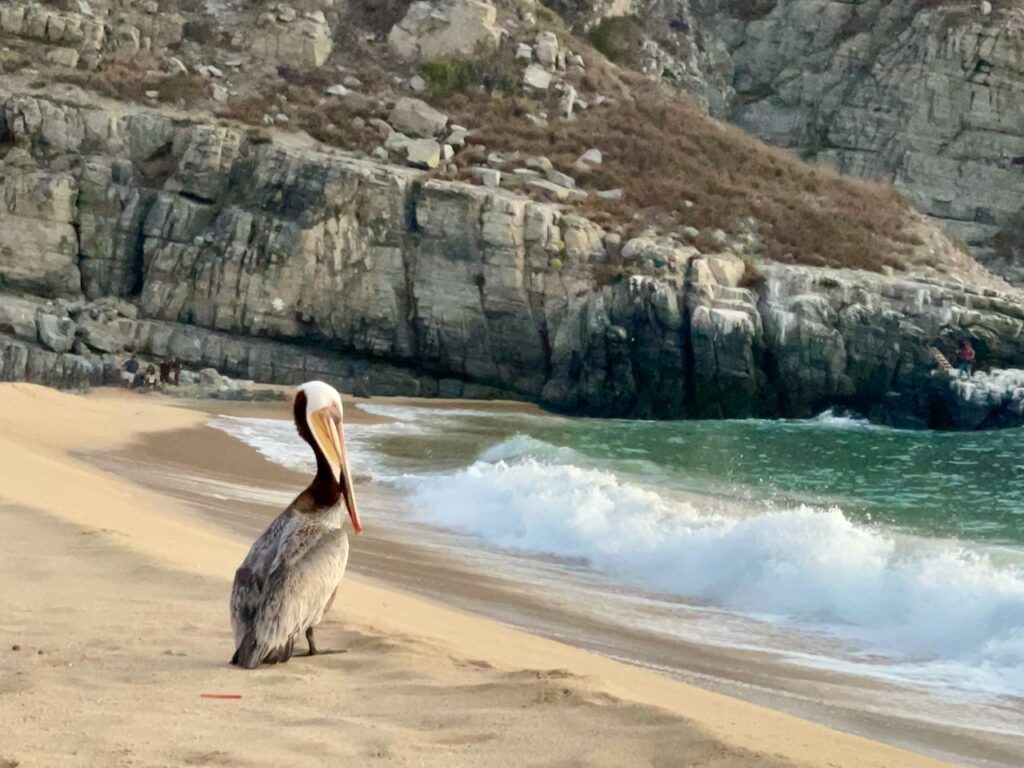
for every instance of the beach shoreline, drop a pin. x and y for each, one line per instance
(50, 445)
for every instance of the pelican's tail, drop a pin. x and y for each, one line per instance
(245, 655)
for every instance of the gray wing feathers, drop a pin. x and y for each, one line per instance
(252, 574)
(299, 590)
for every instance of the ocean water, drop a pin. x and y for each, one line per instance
(898, 555)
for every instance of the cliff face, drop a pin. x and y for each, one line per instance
(928, 96)
(283, 263)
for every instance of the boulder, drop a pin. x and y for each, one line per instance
(300, 43)
(536, 77)
(211, 377)
(102, 336)
(18, 317)
(414, 117)
(56, 333)
(423, 153)
(447, 28)
(546, 49)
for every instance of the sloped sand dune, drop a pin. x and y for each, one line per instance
(116, 599)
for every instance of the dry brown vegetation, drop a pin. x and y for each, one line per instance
(131, 80)
(662, 151)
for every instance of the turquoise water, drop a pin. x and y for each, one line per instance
(963, 485)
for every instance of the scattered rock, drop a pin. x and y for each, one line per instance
(423, 153)
(417, 84)
(548, 190)
(985, 7)
(561, 179)
(337, 90)
(567, 102)
(457, 136)
(592, 156)
(176, 66)
(417, 118)
(536, 77)
(546, 49)
(610, 194)
(63, 57)
(152, 94)
(489, 177)
(524, 52)
(352, 81)
(220, 94)
(286, 13)
(383, 129)
(539, 163)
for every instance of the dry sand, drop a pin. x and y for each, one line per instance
(116, 598)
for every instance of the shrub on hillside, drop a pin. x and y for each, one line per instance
(619, 39)
(448, 76)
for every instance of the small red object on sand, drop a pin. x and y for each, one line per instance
(220, 695)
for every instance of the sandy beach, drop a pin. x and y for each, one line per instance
(115, 626)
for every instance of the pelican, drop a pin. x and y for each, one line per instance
(289, 578)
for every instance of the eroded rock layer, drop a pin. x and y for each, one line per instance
(279, 264)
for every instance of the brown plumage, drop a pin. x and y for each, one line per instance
(288, 580)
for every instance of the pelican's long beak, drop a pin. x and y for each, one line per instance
(330, 436)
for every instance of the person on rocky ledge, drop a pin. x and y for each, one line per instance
(965, 355)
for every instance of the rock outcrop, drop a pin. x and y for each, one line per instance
(279, 264)
(928, 96)
(448, 28)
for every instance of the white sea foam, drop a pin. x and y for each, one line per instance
(931, 606)
(830, 418)
(278, 441)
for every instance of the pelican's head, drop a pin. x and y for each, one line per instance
(318, 414)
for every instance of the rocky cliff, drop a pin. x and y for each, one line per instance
(280, 263)
(925, 94)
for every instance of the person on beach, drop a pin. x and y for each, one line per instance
(152, 380)
(170, 368)
(129, 371)
(966, 356)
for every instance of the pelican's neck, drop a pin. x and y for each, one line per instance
(325, 489)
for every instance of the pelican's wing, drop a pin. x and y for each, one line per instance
(295, 594)
(252, 574)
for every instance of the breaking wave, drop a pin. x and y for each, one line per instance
(913, 600)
